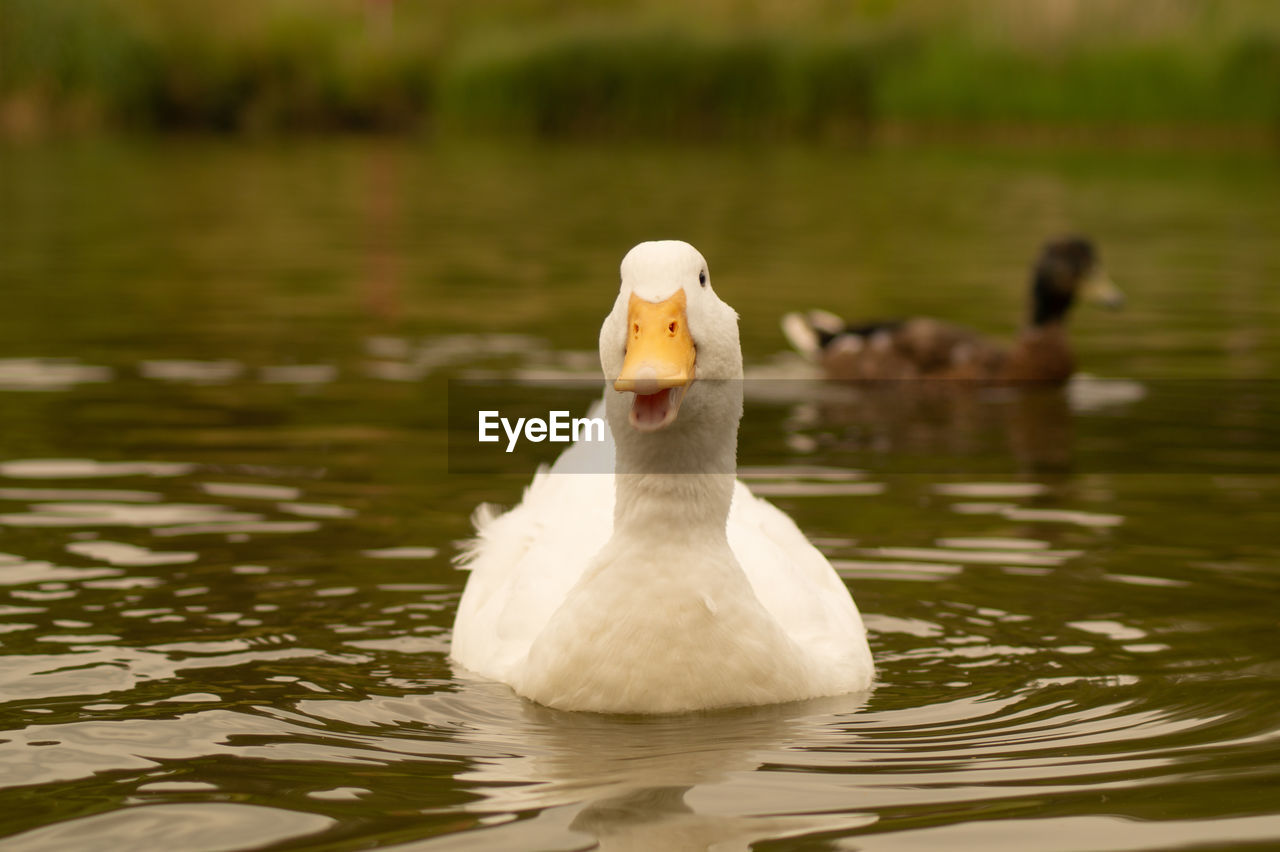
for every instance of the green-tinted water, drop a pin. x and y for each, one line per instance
(226, 511)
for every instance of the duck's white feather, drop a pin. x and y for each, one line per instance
(668, 615)
(524, 562)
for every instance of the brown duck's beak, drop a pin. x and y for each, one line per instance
(659, 363)
(1101, 290)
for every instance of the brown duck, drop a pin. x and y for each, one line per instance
(922, 347)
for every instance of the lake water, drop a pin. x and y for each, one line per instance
(228, 504)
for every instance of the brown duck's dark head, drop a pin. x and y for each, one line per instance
(1067, 267)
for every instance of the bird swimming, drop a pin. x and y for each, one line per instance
(1067, 268)
(655, 582)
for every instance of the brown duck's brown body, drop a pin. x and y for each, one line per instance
(925, 348)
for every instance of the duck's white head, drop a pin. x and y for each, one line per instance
(668, 329)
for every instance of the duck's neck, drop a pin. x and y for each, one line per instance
(679, 481)
(1049, 302)
(653, 498)
(673, 506)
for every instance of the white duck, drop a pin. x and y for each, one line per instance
(666, 586)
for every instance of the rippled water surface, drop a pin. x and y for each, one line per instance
(228, 509)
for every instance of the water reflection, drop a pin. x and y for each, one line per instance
(208, 827)
(633, 783)
(226, 524)
(956, 424)
(1002, 680)
(48, 374)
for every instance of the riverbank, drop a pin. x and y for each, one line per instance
(286, 66)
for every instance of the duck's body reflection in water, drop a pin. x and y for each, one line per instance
(641, 782)
(945, 426)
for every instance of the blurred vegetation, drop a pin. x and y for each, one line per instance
(634, 67)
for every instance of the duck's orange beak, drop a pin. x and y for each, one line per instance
(659, 363)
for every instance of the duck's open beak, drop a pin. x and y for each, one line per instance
(659, 363)
(1101, 290)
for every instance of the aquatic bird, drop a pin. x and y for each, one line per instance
(663, 586)
(922, 347)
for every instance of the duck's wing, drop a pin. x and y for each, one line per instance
(523, 562)
(849, 352)
(811, 331)
(898, 349)
(798, 586)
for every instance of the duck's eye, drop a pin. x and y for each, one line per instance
(671, 326)
(702, 278)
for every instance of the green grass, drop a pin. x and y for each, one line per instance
(277, 65)
(661, 84)
(1138, 83)
(637, 68)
